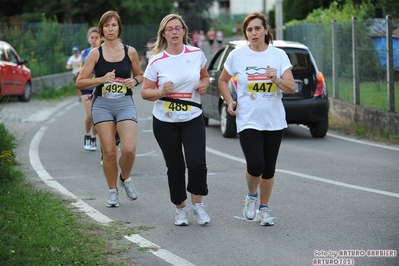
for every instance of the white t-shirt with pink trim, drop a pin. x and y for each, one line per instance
(184, 71)
(259, 104)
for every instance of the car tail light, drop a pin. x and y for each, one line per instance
(320, 86)
(235, 81)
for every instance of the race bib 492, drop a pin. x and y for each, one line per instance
(115, 89)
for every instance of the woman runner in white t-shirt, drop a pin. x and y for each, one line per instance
(175, 78)
(263, 72)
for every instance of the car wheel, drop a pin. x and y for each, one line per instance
(227, 123)
(27, 93)
(319, 130)
(206, 120)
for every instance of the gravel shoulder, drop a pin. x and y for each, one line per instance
(20, 117)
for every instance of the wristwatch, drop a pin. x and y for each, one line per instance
(137, 81)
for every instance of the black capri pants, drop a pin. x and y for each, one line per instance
(261, 149)
(173, 139)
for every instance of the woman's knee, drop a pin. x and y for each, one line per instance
(197, 180)
(269, 171)
(197, 170)
(128, 151)
(268, 174)
(110, 154)
(255, 168)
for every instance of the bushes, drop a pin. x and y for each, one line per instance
(8, 162)
(45, 45)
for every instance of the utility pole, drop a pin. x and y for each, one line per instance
(265, 7)
(279, 20)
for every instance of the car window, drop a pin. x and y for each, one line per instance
(299, 59)
(220, 58)
(228, 51)
(11, 56)
(2, 54)
(216, 60)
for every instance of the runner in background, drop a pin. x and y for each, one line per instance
(211, 35)
(219, 37)
(201, 39)
(90, 138)
(75, 63)
(194, 38)
(147, 52)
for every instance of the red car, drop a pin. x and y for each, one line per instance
(15, 77)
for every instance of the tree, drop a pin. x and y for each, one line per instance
(299, 9)
(194, 13)
(88, 11)
(193, 7)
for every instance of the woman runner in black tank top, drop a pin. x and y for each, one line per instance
(122, 68)
(117, 71)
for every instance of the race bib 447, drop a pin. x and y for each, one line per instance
(259, 86)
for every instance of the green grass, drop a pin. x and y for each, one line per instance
(40, 228)
(50, 93)
(372, 94)
(361, 131)
(7, 156)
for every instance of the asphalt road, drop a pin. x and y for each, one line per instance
(331, 194)
(335, 194)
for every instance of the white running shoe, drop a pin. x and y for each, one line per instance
(265, 218)
(249, 211)
(181, 217)
(113, 198)
(86, 143)
(93, 144)
(199, 211)
(127, 184)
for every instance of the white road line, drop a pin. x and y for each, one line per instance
(296, 174)
(49, 181)
(363, 142)
(337, 183)
(395, 148)
(90, 211)
(150, 153)
(158, 251)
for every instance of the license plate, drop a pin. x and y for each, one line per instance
(298, 86)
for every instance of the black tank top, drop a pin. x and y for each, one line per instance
(123, 69)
